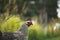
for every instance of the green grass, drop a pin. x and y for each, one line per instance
(53, 38)
(11, 25)
(35, 32)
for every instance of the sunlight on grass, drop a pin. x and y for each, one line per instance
(35, 31)
(11, 25)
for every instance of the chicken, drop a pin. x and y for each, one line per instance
(24, 29)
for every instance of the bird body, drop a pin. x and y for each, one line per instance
(24, 29)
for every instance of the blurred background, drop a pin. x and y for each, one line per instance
(44, 13)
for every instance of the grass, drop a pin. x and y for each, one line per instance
(53, 38)
(35, 32)
(11, 25)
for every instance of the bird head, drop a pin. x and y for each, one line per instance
(30, 22)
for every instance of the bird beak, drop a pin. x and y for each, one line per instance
(33, 22)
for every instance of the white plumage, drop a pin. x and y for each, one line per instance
(24, 29)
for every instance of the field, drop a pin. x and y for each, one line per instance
(35, 32)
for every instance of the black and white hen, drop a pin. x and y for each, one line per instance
(24, 29)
